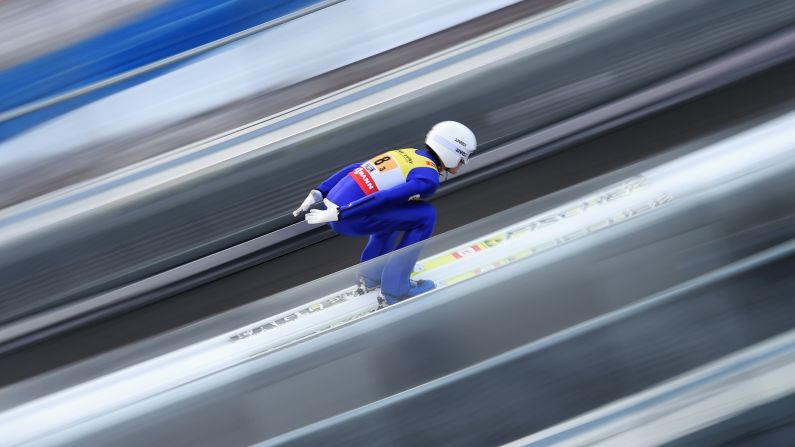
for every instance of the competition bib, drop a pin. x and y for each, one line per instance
(389, 169)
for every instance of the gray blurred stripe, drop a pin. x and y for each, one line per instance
(565, 373)
(713, 393)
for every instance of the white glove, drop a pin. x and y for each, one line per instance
(314, 197)
(330, 214)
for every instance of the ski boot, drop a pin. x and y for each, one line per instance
(415, 288)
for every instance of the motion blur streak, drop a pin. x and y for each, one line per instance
(716, 173)
(29, 28)
(708, 395)
(174, 213)
(616, 263)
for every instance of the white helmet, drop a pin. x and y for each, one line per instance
(453, 142)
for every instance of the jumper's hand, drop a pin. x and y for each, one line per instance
(330, 214)
(314, 197)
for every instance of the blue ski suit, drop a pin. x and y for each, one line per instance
(381, 198)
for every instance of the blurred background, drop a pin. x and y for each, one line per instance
(614, 266)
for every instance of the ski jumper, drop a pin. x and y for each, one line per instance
(380, 198)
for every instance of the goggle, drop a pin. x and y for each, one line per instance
(464, 155)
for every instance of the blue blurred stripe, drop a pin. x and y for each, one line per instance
(177, 26)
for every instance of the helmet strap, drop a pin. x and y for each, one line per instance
(439, 165)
